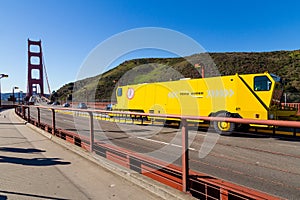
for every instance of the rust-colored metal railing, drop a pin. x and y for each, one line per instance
(181, 178)
(293, 105)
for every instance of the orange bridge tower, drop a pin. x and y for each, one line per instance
(35, 82)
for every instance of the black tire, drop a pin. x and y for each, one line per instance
(224, 128)
(243, 127)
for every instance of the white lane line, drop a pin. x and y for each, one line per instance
(161, 142)
(288, 145)
(67, 120)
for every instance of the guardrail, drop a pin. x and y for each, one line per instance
(293, 105)
(180, 177)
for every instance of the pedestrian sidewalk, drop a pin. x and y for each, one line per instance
(34, 167)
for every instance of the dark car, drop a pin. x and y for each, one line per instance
(82, 106)
(66, 105)
(109, 107)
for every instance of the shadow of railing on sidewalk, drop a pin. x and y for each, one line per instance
(28, 195)
(21, 150)
(33, 161)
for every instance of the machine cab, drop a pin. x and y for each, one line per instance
(269, 88)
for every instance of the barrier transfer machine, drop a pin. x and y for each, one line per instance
(250, 96)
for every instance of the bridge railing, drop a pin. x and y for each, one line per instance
(293, 105)
(179, 177)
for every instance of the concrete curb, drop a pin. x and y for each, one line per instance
(157, 188)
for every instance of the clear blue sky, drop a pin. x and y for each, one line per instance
(70, 29)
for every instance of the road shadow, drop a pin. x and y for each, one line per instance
(289, 138)
(246, 135)
(282, 137)
(112, 139)
(20, 150)
(76, 130)
(33, 161)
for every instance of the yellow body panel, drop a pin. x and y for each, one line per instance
(199, 97)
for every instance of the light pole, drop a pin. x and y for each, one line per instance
(2, 76)
(20, 96)
(13, 94)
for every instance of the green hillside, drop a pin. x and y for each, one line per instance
(286, 64)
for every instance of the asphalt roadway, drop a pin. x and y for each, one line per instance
(34, 167)
(266, 163)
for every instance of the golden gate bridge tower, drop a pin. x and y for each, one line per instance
(35, 68)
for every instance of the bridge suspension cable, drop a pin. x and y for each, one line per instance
(46, 75)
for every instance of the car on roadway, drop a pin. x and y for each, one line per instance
(66, 105)
(82, 105)
(109, 107)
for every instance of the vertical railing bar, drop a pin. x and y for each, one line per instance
(206, 195)
(53, 121)
(28, 114)
(223, 194)
(23, 112)
(39, 117)
(185, 156)
(91, 132)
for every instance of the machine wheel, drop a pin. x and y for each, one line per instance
(224, 128)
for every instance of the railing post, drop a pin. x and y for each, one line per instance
(223, 194)
(28, 114)
(53, 121)
(23, 112)
(39, 116)
(91, 132)
(185, 156)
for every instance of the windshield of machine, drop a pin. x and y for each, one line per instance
(262, 83)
